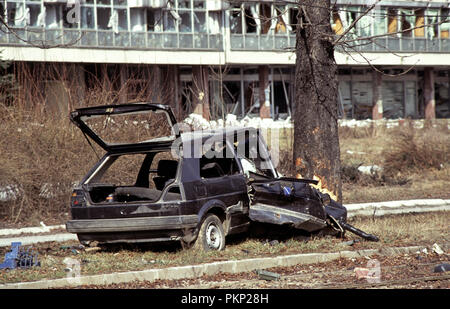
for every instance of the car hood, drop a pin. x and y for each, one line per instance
(127, 126)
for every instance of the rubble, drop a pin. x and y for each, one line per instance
(436, 249)
(441, 268)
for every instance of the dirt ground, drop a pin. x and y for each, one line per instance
(413, 271)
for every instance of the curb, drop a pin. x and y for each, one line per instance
(31, 230)
(363, 209)
(397, 207)
(28, 240)
(194, 271)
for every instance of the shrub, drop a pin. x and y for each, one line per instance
(409, 150)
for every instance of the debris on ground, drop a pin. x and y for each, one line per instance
(351, 242)
(442, 268)
(361, 273)
(267, 275)
(436, 249)
(20, 258)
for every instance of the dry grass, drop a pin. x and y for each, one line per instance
(400, 230)
(40, 158)
(411, 150)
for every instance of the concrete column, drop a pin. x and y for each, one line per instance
(157, 85)
(123, 90)
(377, 107)
(428, 93)
(200, 85)
(264, 92)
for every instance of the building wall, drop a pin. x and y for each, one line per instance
(245, 50)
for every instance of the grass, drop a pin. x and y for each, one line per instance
(399, 230)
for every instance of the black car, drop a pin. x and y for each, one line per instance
(157, 184)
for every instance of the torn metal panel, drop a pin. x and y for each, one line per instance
(281, 202)
(281, 216)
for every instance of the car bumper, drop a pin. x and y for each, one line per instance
(132, 224)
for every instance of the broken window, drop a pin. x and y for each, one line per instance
(282, 20)
(419, 31)
(432, 19)
(392, 20)
(362, 97)
(18, 16)
(410, 99)
(123, 171)
(122, 19)
(53, 15)
(392, 94)
(293, 20)
(103, 18)
(380, 26)
(34, 10)
(134, 177)
(337, 24)
(236, 17)
(407, 19)
(445, 26)
(218, 165)
(253, 154)
(200, 24)
(87, 17)
(345, 99)
(442, 96)
(186, 21)
(365, 23)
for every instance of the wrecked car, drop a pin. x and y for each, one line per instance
(156, 184)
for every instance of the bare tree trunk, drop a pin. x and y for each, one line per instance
(316, 140)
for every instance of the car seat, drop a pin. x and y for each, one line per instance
(167, 170)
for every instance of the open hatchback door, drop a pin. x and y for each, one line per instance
(127, 126)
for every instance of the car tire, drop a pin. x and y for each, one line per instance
(211, 235)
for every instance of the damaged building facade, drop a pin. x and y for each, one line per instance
(219, 57)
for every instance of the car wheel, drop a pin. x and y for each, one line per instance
(211, 235)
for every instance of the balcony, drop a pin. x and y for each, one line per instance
(394, 44)
(110, 39)
(264, 42)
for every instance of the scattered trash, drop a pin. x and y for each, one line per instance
(72, 248)
(442, 268)
(74, 251)
(351, 242)
(245, 251)
(274, 242)
(361, 273)
(267, 275)
(356, 152)
(424, 250)
(436, 249)
(369, 169)
(20, 258)
(92, 249)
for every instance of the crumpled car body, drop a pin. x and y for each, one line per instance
(155, 183)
